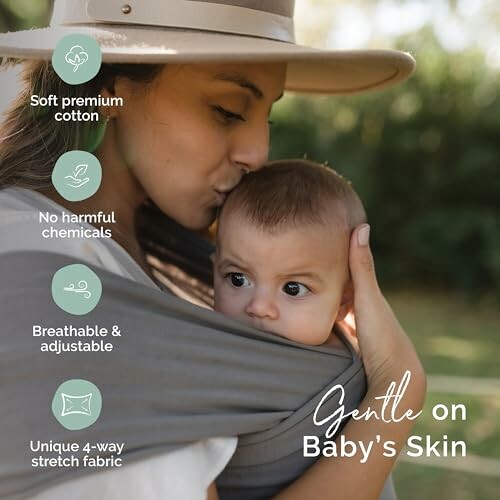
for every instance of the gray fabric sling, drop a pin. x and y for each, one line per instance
(178, 374)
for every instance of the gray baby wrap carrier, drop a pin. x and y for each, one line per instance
(178, 374)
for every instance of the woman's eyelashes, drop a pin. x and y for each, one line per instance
(230, 117)
(227, 116)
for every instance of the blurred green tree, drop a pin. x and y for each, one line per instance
(24, 14)
(425, 158)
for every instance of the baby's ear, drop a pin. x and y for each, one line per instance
(346, 302)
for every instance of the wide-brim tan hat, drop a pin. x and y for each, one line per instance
(189, 31)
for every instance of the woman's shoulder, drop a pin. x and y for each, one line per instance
(29, 221)
(183, 473)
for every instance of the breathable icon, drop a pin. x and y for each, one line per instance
(77, 404)
(76, 289)
(81, 288)
(77, 175)
(77, 58)
(77, 179)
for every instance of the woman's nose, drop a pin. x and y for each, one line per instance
(262, 305)
(251, 146)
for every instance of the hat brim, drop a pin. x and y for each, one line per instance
(309, 70)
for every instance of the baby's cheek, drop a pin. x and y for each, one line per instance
(316, 328)
(227, 300)
(304, 327)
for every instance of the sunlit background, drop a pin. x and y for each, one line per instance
(425, 158)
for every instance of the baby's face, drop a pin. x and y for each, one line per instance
(290, 283)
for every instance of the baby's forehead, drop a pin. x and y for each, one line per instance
(297, 241)
(329, 224)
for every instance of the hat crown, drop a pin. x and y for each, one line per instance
(223, 31)
(280, 7)
(272, 19)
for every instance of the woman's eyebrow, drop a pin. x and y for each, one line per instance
(242, 82)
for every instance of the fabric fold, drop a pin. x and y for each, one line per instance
(177, 374)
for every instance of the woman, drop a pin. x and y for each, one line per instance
(186, 134)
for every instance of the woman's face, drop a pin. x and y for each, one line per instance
(191, 135)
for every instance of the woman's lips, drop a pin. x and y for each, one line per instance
(223, 193)
(221, 197)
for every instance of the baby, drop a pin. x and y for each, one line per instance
(282, 244)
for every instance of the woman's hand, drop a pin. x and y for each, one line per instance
(386, 350)
(387, 354)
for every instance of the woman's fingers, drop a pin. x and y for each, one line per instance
(361, 264)
(386, 350)
(368, 299)
(368, 304)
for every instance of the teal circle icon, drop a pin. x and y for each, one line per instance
(77, 404)
(76, 289)
(77, 58)
(77, 175)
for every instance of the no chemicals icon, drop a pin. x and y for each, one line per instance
(77, 175)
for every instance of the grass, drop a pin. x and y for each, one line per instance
(426, 483)
(457, 339)
(452, 335)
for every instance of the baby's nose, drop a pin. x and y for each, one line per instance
(262, 305)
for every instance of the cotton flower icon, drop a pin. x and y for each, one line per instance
(76, 57)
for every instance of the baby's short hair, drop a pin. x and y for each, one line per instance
(291, 193)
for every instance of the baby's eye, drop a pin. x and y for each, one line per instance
(238, 280)
(295, 289)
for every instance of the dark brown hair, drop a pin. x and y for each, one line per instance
(290, 193)
(31, 140)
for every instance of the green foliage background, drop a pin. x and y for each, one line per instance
(24, 14)
(425, 159)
